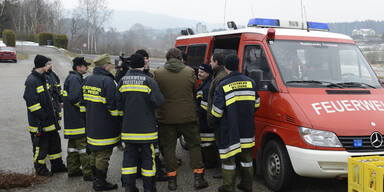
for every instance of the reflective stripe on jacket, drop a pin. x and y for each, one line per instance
(102, 122)
(234, 104)
(74, 119)
(137, 97)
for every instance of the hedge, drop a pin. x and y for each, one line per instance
(60, 40)
(33, 38)
(9, 37)
(45, 37)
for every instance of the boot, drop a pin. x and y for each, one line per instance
(58, 167)
(172, 183)
(243, 188)
(131, 189)
(200, 182)
(41, 170)
(222, 189)
(100, 184)
(160, 174)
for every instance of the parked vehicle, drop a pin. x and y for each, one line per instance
(321, 102)
(8, 54)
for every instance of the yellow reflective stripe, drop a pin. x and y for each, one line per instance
(131, 87)
(49, 128)
(207, 139)
(216, 114)
(74, 131)
(103, 142)
(64, 93)
(199, 96)
(32, 129)
(148, 173)
(230, 154)
(54, 156)
(134, 136)
(48, 86)
(35, 107)
(121, 113)
(204, 107)
(114, 112)
(42, 161)
(237, 85)
(77, 104)
(37, 150)
(83, 109)
(94, 98)
(257, 104)
(239, 98)
(129, 170)
(57, 85)
(247, 145)
(40, 89)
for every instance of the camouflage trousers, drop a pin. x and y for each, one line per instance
(78, 157)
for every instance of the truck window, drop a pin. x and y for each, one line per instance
(182, 48)
(196, 55)
(255, 59)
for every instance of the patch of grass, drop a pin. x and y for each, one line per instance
(21, 56)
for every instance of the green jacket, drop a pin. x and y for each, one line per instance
(218, 74)
(177, 83)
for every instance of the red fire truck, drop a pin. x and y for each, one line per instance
(321, 102)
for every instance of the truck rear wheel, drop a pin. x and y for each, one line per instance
(278, 172)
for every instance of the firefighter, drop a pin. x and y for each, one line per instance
(55, 90)
(178, 115)
(160, 174)
(137, 97)
(207, 136)
(74, 122)
(233, 106)
(102, 120)
(43, 124)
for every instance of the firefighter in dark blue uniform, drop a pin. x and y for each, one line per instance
(102, 120)
(208, 146)
(43, 124)
(137, 97)
(74, 122)
(234, 105)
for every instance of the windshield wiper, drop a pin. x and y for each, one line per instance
(325, 83)
(356, 84)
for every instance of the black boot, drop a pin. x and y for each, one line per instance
(58, 166)
(172, 183)
(160, 174)
(100, 184)
(131, 189)
(41, 170)
(200, 182)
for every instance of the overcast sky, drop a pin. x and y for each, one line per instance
(212, 11)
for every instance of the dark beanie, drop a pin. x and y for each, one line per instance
(40, 61)
(231, 62)
(137, 61)
(143, 53)
(206, 68)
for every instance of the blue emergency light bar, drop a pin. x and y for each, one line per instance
(263, 22)
(316, 25)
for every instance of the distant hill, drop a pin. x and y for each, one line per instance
(348, 27)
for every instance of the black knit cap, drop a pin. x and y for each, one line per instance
(142, 52)
(231, 62)
(206, 68)
(137, 61)
(78, 61)
(40, 61)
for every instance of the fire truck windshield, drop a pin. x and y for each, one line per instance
(319, 64)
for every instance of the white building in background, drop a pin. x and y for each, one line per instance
(365, 34)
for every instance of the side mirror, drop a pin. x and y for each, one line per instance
(271, 86)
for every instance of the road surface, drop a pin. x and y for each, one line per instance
(16, 149)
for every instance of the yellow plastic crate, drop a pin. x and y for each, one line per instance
(373, 177)
(356, 171)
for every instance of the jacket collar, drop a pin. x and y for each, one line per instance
(219, 69)
(35, 73)
(135, 71)
(76, 73)
(101, 71)
(232, 74)
(174, 65)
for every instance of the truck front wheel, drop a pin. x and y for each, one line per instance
(278, 172)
